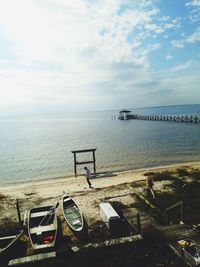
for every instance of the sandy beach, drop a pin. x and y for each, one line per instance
(112, 186)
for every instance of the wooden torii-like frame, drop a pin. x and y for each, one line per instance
(84, 162)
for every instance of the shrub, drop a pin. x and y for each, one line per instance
(183, 172)
(196, 174)
(163, 176)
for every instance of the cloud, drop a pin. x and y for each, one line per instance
(190, 39)
(81, 52)
(194, 10)
(169, 56)
(183, 66)
(194, 37)
(63, 48)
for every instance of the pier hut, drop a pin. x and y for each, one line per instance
(124, 114)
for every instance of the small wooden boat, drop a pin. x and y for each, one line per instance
(72, 213)
(189, 252)
(8, 242)
(42, 227)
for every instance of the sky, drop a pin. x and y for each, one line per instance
(77, 55)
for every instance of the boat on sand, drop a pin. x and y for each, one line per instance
(72, 213)
(7, 243)
(42, 227)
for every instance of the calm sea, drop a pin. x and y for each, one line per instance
(39, 147)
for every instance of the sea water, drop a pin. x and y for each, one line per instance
(39, 147)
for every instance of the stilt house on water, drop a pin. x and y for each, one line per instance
(124, 114)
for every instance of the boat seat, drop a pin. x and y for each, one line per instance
(76, 221)
(66, 199)
(7, 237)
(44, 228)
(39, 214)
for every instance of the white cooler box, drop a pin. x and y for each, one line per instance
(109, 216)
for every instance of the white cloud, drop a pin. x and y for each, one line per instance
(70, 52)
(178, 43)
(194, 37)
(183, 66)
(169, 56)
(190, 39)
(194, 10)
(84, 42)
(193, 3)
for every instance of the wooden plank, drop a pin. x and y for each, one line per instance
(84, 150)
(7, 237)
(84, 162)
(175, 205)
(32, 259)
(113, 242)
(39, 214)
(44, 228)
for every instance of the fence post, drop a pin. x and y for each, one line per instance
(139, 223)
(18, 212)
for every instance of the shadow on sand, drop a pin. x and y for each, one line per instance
(103, 175)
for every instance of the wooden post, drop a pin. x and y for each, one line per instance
(182, 212)
(168, 218)
(18, 213)
(94, 161)
(190, 204)
(139, 223)
(75, 171)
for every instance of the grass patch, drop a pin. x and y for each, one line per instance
(177, 184)
(149, 173)
(184, 184)
(2, 196)
(8, 226)
(194, 210)
(164, 176)
(166, 199)
(143, 206)
(98, 232)
(137, 184)
(183, 172)
(195, 174)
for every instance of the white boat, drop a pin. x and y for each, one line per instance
(72, 213)
(42, 227)
(8, 242)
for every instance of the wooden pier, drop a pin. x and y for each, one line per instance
(126, 115)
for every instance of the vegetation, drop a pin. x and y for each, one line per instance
(8, 226)
(2, 196)
(195, 174)
(163, 176)
(184, 184)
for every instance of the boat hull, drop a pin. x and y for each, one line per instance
(8, 244)
(42, 227)
(72, 213)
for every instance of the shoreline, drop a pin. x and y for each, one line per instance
(107, 186)
(107, 178)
